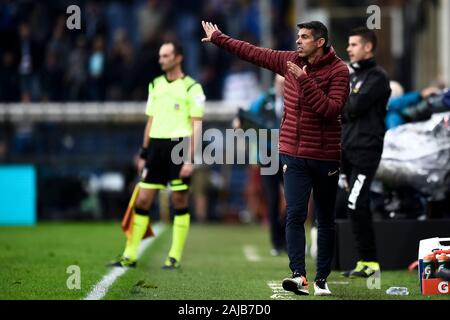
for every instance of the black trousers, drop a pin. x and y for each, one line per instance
(359, 179)
(271, 187)
(300, 176)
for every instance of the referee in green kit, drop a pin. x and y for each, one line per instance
(175, 108)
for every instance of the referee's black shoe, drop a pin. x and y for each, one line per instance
(122, 262)
(363, 269)
(170, 264)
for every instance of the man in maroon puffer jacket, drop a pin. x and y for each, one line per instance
(316, 90)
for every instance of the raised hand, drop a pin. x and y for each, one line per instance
(209, 30)
(295, 69)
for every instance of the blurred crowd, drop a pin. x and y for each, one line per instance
(115, 54)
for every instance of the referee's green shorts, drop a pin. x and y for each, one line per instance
(159, 168)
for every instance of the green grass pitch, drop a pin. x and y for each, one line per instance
(216, 266)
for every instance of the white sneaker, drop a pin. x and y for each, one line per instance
(297, 284)
(275, 252)
(321, 288)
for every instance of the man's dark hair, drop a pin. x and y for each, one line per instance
(366, 34)
(319, 30)
(177, 47)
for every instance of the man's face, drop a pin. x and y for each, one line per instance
(358, 49)
(167, 58)
(306, 45)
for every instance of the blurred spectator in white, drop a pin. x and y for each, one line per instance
(396, 89)
(241, 85)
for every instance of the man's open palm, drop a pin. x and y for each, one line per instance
(209, 30)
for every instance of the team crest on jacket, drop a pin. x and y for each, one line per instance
(357, 86)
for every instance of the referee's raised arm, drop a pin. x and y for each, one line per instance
(273, 60)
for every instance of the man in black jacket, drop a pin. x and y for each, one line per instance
(363, 131)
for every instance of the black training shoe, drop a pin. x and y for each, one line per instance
(170, 264)
(122, 262)
(363, 269)
(369, 269)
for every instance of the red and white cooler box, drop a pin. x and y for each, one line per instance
(434, 246)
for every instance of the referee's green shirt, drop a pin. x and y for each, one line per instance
(172, 104)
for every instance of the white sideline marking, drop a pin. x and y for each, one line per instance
(278, 292)
(101, 288)
(251, 254)
(338, 282)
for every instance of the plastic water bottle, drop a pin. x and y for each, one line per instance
(398, 291)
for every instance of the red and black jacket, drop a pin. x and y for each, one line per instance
(311, 123)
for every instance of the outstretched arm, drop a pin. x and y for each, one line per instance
(209, 30)
(273, 60)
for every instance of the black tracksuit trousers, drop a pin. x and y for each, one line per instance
(359, 179)
(300, 176)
